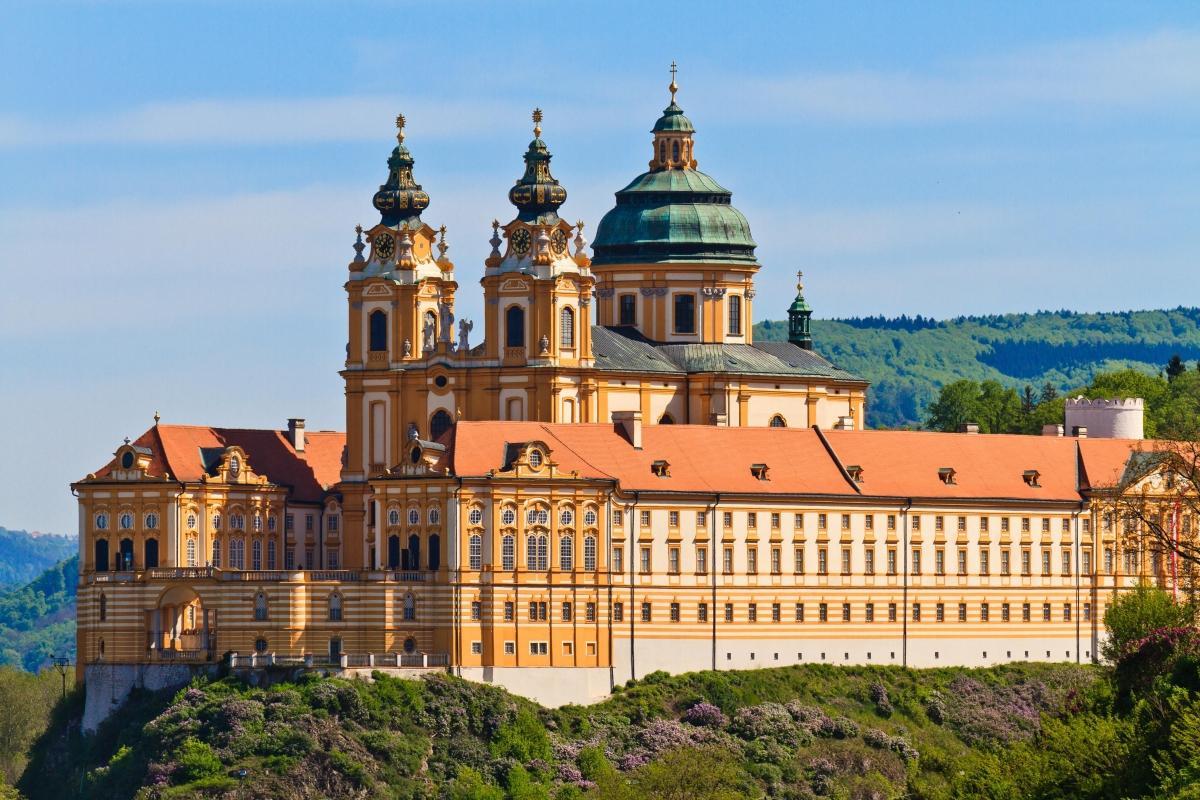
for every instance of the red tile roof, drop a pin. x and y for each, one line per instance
(180, 450)
(1104, 460)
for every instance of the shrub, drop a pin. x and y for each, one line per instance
(935, 709)
(768, 720)
(705, 714)
(879, 696)
(1135, 615)
(196, 760)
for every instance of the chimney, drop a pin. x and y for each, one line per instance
(969, 427)
(296, 434)
(1052, 430)
(844, 424)
(630, 425)
(1079, 431)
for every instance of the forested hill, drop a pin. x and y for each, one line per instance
(907, 359)
(37, 621)
(24, 555)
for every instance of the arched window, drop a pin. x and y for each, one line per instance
(270, 554)
(439, 423)
(410, 607)
(393, 557)
(100, 555)
(567, 326)
(216, 553)
(589, 553)
(335, 607)
(674, 151)
(475, 551)
(514, 327)
(191, 552)
(429, 322)
(150, 554)
(260, 606)
(735, 314)
(237, 554)
(778, 421)
(662, 151)
(666, 419)
(507, 553)
(537, 552)
(378, 325)
(256, 554)
(103, 607)
(414, 552)
(435, 552)
(260, 646)
(125, 554)
(566, 553)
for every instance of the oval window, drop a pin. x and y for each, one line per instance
(127, 460)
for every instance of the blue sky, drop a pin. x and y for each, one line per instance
(179, 182)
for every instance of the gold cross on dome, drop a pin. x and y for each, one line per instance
(674, 87)
(400, 120)
(537, 122)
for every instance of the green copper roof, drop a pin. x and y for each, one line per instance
(673, 120)
(800, 304)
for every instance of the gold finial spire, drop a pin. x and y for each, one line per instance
(674, 87)
(400, 128)
(157, 417)
(537, 123)
(800, 281)
(358, 229)
(442, 246)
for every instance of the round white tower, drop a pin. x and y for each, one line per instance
(1105, 419)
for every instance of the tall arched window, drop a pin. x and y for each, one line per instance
(435, 552)
(100, 555)
(216, 553)
(378, 333)
(735, 315)
(439, 423)
(778, 421)
(237, 554)
(566, 553)
(150, 554)
(662, 151)
(335, 607)
(414, 552)
(260, 606)
(514, 327)
(191, 552)
(589, 553)
(103, 607)
(475, 551)
(125, 555)
(567, 326)
(507, 553)
(256, 554)
(393, 555)
(674, 151)
(270, 554)
(537, 552)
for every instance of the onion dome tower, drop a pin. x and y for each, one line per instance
(537, 293)
(799, 316)
(676, 249)
(400, 200)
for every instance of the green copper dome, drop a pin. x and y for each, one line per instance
(673, 120)
(670, 215)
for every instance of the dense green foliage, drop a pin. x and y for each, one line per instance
(1172, 403)
(23, 555)
(37, 622)
(1132, 617)
(908, 360)
(26, 701)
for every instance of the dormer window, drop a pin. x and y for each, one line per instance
(127, 460)
(235, 466)
(1031, 477)
(414, 455)
(759, 471)
(855, 472)
(535, 458)
(946, 475)
(661, 468)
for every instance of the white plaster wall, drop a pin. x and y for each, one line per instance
(550, 686)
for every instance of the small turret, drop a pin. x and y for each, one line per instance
(400, 200)
(799, 316)
(537, 194)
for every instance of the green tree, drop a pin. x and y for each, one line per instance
(522, 786)
(197, 760)
(709, 773)
(524, 739)
(999, 408)
(955, 405)
(468, 784)
(1175, 367)
(27, 701)
(1135, 614)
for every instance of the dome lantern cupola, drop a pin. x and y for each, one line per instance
(673, 135)
(537, 195)
(401, 200)
(799, 317)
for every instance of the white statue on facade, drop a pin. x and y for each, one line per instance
(447, 315)
(428, 332)
(464, 331)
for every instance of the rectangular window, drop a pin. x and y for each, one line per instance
(822, 561)
(589, 612)
(1108, 560)
(869, 562)
(735, 315)
(1066, 562)
(962, 612)
(1066, 612)
(1087, 612)
(618, 612)
(845, 522)
(869, 522)
(674, 612)
(940, 612)
(776, 561)
(776, 612)
(891, 522)
(727, 519)
(476, 610)
(727, 561)
(939, 561)
(774, 521)
(644, 562)
(1046, 525)
(702, 560)
(939, 523)
(1025, 613)
(916, 561)
(729, 612)
(308, 522)
(673, 519)
(289, 522)
(1087, 562)
(1045, 562)
(1025, 525)
(566, 612)
(845, 612)
(476, 648)
(510, 648)
(752, 612)
(1045, 612)
(984, 562)
(983, 524)
(891, 612)
(645, 612)
(823, 612)
(1005, 612)
(962, 562)
(916, 612)
(702, 612)
(962, 523)
(916, 522)
(983, 612)
(822, 522)
(538, 648)
(508, 611)
(798, 521)
(673, 560)
(618, 517)
(751, 519)
(645, 519)
(701, 519)
(685, 313)
(798, 555)
(627, 313)
(891, 561)
(845, 560)
(799, 612)
(1005, 567)
(869, 613)
(1026, 568)
(618, 559)
(752, 560)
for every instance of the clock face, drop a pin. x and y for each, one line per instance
(558, 241)
(520, 241)
(385, 246)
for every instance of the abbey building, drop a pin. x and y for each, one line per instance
(605, 476)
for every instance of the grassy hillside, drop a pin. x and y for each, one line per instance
(24, 555)
(37, 621)
(908, 359)
(794, 732)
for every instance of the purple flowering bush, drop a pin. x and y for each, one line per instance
(706, 715)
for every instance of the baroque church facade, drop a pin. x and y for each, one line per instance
(615, 479)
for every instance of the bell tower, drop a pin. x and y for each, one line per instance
(799, 317)
(537, 294)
